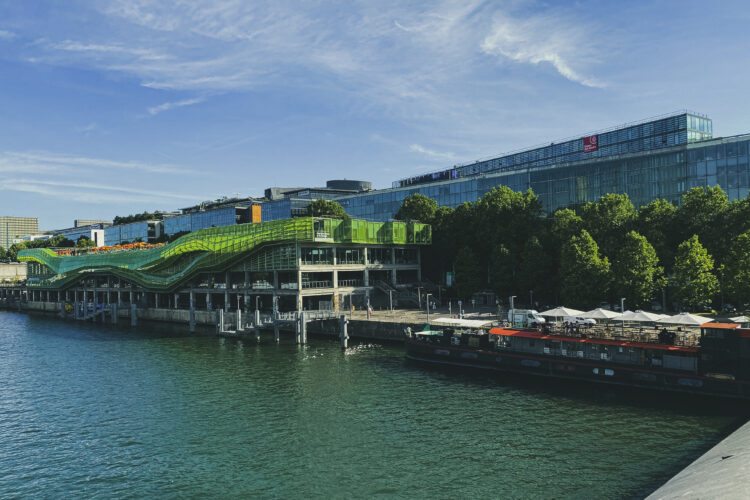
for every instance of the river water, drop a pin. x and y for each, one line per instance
(90, 410)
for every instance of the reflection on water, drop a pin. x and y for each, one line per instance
(92, 410)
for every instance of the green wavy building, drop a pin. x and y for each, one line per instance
(291, 264)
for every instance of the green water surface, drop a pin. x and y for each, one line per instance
(96, 411)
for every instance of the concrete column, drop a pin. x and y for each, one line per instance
(276, 280)
(303, 327)
(192, 311)
(209, 306)
(156, 300)
(246, 297)
(227, 284)
(335, 278)
(109, 290)
(177, 301)
(393, 276)
(131, 295)
(299, 280)
(133, 314)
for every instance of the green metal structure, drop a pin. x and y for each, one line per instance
(169, 267)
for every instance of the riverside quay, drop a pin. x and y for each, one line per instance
(287, 265)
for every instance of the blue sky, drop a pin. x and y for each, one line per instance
(114, 107)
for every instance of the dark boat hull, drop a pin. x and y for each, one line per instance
(575, 370)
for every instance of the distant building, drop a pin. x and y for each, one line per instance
(13, 229)
(91, 222)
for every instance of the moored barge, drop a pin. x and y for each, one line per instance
(718, 364)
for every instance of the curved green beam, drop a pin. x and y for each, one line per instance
(215, 249)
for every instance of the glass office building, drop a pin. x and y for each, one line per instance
(658, 158)
(200, 220)
(145, 231)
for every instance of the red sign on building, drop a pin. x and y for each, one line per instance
(590, 143)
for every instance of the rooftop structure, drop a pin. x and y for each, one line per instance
(91, 222)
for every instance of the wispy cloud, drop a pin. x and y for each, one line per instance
(175, 104)
(430, 153)
(541, 39)
(18, 160)
(85, 129)
(6, 35)
(8, 183)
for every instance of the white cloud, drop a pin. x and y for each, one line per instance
(176, 104)
(18, 160)
(432, 154)
(6, 35)
(539, 39)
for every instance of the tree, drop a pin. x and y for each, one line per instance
(693, 280)
(635, 270)
(608, 220)
(12, 252)
(533, 271)
(468, 273)
(584, 274)
(417, 207)
(565, 224)
(656, 221)
(502, 270)
(736, 271)
(704, 213)
(327, 208)
(3, 253)
(85, 242)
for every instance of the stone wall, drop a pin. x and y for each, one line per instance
(13, 271)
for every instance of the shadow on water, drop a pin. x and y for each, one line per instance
(591, 392)
(102, 332)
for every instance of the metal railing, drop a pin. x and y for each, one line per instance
(317, 284)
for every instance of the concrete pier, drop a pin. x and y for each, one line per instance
(720, 473)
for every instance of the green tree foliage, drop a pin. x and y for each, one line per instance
(502, 271)
(635, 270)
(704, 212)
(3, 253)
(736, 272)
(135, 218)
(417, 207)
(468, 273)
(608, 220)
(565, 224)
(534, 271)
(584, 274)
(693, 280)
(327, 208)
(657, 222)
(85, 242)
(518, 249)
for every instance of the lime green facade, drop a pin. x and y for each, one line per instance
(172, 266)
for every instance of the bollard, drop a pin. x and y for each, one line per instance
(343, 331)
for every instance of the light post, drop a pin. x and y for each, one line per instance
(512, 310)
(390, 300)
(622, 311)
(419, 296)
(427, 299)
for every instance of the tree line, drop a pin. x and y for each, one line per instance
(693, 254)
